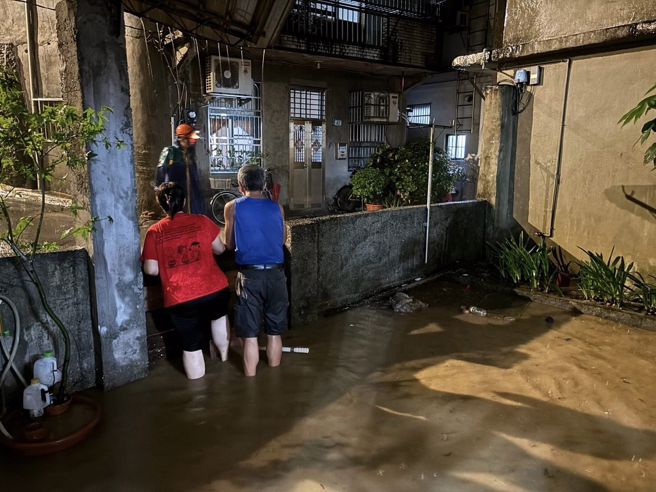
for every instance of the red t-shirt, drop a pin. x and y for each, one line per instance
(183, 248)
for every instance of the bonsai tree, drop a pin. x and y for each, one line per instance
(32, 145)
(370, 184)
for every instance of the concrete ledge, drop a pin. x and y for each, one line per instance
(338, 260)
(564, 46)
(636, 320)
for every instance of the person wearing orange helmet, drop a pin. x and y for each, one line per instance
(177, 163)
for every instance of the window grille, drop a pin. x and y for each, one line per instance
(234, 132)
(419, 114)
(455, 146)
(364, 138)
(307, 104)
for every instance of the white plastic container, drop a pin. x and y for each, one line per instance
(45, 369)
(36, 398)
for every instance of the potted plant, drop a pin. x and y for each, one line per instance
(370, 184)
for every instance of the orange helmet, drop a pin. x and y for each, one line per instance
(187, 131)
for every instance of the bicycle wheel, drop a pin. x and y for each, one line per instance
(344, 201)
(218, 203)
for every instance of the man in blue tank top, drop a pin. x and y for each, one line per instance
(255, 229)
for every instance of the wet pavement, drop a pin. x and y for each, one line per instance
(437, 400)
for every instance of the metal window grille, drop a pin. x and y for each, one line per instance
(307, 104)
(364, 140)
(419, 114)
(234, 132)
(455, 146)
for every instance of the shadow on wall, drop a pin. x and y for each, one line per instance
(639, 200)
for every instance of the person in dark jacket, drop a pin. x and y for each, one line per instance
(177, 163)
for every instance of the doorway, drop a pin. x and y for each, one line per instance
(306, 148)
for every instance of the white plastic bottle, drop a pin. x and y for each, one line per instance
(478, 311)
(45, 369)
(36, 398)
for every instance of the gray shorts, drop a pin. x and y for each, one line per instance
(262, 301)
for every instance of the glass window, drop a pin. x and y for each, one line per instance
(307, 104)
(419, 114)
(455, 146)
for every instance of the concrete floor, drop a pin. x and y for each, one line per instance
(431, 401)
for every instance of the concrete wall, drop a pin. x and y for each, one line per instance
(151, 108)
(539, 20)
(93, 34)
(13, 29)
(542, 29)
(607, 195)
(440, 92)
(341, 259)
(497, 162)
(67, 284)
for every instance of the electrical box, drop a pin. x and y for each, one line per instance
(535, 75)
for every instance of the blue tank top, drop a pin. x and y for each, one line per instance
(258, 232)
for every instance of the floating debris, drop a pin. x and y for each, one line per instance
(403, 303)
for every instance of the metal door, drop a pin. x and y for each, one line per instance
(306, 146)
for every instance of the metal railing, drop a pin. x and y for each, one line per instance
(234, 132)
(384, 30)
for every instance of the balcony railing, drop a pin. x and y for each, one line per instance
(399, 32)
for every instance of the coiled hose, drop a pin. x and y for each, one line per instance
(10, 355)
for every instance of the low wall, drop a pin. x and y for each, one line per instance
(66, 280)
(338, 260)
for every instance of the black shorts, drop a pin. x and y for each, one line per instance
(192, 319)
(262, 301)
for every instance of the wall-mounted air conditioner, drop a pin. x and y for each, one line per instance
(229, 77)
(379, 107)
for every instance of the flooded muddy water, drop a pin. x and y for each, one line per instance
(529, 398)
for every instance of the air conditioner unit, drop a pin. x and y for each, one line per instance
(380, 107)
(229, 77)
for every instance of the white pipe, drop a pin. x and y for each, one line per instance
(30, 51)
(430, 187)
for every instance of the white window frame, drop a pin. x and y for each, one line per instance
(456, 145)
(419, 114)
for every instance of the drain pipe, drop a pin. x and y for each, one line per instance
(559, 163)
(430, 187)
(31, 61)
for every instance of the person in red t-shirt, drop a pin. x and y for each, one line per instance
(180, 249)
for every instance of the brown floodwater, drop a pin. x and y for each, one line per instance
(530, 398)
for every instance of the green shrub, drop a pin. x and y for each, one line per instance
(645, 292)
(604, 280)
(519, 260)
(407, 170)
(370, 184)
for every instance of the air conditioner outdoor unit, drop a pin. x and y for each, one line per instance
(380, 107)
(229, 77)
